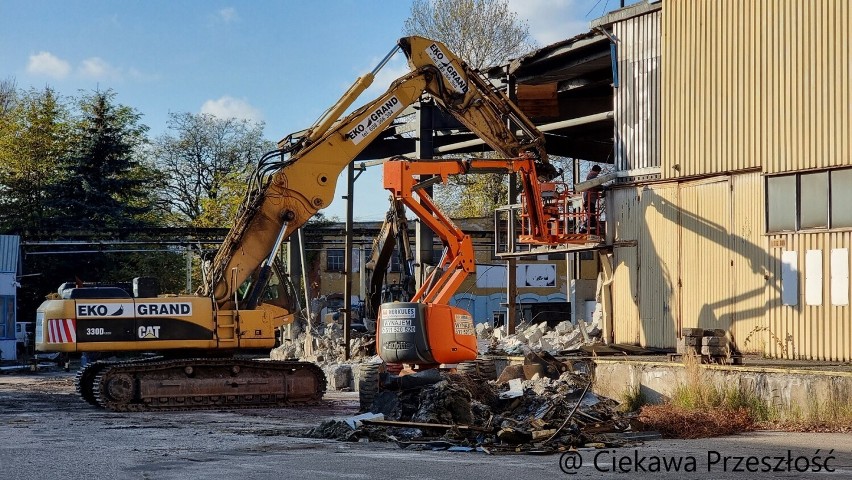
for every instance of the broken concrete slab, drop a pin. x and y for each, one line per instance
(340, 377)
(516, 389)
(357, 420)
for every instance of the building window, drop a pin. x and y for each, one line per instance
(781, 203)
(841, 195)
(809, 200)
(7, 317)
(334, 260)
(813, 200)
(394, 263)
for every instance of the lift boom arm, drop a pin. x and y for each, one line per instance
(458, 259)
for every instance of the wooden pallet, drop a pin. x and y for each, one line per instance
(735, 359)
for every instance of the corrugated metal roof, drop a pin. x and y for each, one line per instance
(9, 253)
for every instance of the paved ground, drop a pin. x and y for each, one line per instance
(46, 432)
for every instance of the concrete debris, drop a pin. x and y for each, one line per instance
(357, 420)
(339, 377)
(516, 389)
(335, 430)
(565, 337)
(322, 342)
(542, 413)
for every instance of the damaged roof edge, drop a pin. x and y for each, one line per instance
(627, 13)
(553, 50)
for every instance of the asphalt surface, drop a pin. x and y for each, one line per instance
(46, 432)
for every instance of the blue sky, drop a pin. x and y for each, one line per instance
(281, 62)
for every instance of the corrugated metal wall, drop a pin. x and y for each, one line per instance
(624, 215)
(637, 98)
(755, 84)
(819, 332)
(645, 298)
(705, 264)
(749, 262)
(9, 246)
(747, 86)
(690, 255)
(658, 260)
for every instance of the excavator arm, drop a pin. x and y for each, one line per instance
(392, 237)
(305, 182)
(428, 330)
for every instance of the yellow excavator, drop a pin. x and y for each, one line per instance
(243, 303)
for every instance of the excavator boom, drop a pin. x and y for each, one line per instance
(238, 309)
(306, 182)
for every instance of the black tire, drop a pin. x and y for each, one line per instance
(468, 368)
(368, 385)
(487, 368)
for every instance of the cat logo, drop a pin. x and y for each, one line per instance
(149, 332)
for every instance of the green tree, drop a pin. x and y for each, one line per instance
(222, 210)
(34, 139)
(484, 33)
(8, 97)
(103, 183)
(198, 162)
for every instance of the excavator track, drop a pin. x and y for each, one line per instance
(199, 384)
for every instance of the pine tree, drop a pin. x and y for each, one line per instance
(103, 184)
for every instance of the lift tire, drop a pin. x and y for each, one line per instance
(470, 369)
(368, 385)
(487, 368)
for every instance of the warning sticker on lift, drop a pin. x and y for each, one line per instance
(464, 324)
(397, 325)
(399, 312)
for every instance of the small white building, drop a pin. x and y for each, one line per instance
(9, 261)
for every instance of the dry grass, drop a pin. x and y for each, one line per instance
(678, 422)
(699, 408)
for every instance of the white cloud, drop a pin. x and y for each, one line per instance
(550, 21)
(230, 107)
(99, 69)
(228, 15)
(46, 63)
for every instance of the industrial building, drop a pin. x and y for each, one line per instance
(729, 207)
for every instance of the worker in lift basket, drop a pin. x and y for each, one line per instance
(590, 201)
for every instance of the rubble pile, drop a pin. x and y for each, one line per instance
(541, 413)
(565, 337)
(315, 339)
(325, 345)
